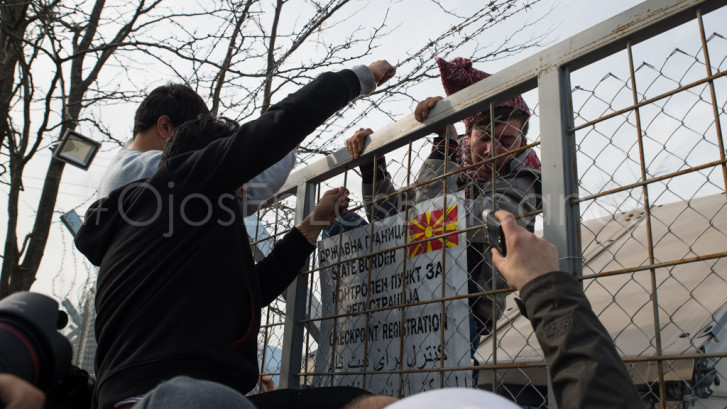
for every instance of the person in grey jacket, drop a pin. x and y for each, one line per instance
(497, 171)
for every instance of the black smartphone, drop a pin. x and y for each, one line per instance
(495, 235)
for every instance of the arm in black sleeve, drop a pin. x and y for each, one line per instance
(276, 271)
(225, 164)
(585, 368)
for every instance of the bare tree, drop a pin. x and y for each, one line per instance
(40, 33)
(264, 49)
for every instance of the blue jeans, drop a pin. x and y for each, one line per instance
(183, 392)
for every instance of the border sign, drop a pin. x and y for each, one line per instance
(366, 349)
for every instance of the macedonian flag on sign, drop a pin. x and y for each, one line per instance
(429, 224)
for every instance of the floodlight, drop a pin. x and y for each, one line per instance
(76, 149)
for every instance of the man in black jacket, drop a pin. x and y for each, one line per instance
(178, 291)
(585, 369)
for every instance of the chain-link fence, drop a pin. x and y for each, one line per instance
(401, 295)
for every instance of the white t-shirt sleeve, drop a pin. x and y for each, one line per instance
(266, 184)
(126, 167)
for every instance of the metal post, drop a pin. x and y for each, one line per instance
(295, 304)
(559, 176)
(560, 179)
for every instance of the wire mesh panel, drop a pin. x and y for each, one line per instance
(652, 198)
(401, 295)
(394, 284)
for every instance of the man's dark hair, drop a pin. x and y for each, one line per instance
(503, 114)
(196, 134)
(179, 102)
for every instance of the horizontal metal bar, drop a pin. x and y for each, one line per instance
(636, 24)
(517, 365)
(272, 237)
(428, 370)
(650, 181)
(411, 244)
(413, 304)
(445, 175)
(664, 264)
(650, 100)
(510, 289)
(262, 326)
(680, 357)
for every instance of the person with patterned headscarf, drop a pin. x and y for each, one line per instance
(511, 127)
(498, 172)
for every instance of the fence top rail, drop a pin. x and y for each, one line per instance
(637, 24)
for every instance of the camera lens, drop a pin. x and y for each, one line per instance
(21, 352)
(30, 345)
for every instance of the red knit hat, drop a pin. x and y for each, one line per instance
(459, 74)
